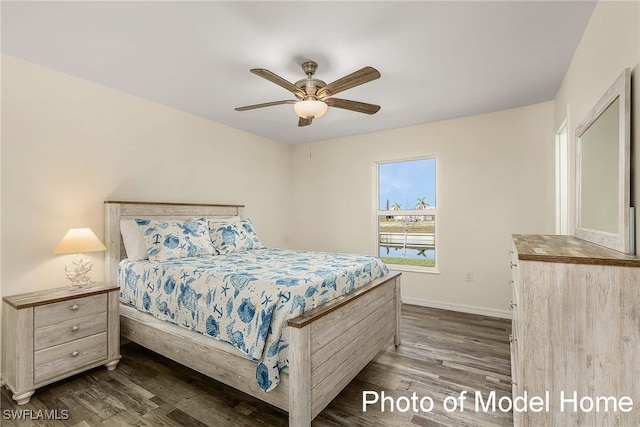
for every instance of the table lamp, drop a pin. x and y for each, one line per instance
(77, 241)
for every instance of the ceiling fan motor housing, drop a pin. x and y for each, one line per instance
(309, 68)
(310, 86)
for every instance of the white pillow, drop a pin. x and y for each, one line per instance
(133, 240)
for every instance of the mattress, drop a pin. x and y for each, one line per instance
(245, 298)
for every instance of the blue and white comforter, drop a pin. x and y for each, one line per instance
(245, 298)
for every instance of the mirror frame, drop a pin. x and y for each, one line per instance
(623, 240)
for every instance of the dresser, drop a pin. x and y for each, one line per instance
(53, 334)
(575, 343)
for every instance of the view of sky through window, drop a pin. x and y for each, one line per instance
(406, 182)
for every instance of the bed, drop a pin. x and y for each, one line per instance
(328, 345)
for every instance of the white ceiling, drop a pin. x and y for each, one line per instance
(438, 60)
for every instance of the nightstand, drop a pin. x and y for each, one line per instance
(53, 334)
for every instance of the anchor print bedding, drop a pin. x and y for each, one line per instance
(244, 298)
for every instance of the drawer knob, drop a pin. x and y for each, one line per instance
(74, 307)
(75, 328)
(74, 354)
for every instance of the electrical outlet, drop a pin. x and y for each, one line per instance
(468, 276)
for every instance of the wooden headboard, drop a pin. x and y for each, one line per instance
(114, 211)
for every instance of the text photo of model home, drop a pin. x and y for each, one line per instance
(319, 213)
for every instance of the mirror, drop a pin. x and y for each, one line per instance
(603, 170)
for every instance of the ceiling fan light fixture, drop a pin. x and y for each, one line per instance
(310, 108)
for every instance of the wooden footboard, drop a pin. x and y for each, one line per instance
(329, 346)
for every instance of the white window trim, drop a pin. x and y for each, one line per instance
(377, 212)
(562, 179)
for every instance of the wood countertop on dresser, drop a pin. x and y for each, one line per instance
(570, 250)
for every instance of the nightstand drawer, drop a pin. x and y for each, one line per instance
(56, 361)
(70, 330)
(76, 308)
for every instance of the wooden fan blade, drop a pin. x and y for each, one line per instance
(360, 107)
(274, 78)
(266, 104)
(347, 82)
(304, 122)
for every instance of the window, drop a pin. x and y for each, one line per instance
(406, 213)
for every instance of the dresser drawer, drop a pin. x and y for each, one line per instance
(56, 361)
(66, 331)
(76, 308)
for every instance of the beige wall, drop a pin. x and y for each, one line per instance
(68, 145)
(495, 177)
(611, 43)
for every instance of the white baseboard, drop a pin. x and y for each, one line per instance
(483, 311)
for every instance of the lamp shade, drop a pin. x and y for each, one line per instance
(79, 240)
(310, 108)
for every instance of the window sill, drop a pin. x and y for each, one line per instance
(412, 269)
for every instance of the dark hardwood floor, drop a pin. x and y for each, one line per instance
(443, 354)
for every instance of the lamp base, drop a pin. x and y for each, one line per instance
(78, 272)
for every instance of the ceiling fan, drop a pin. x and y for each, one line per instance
(315, 96)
